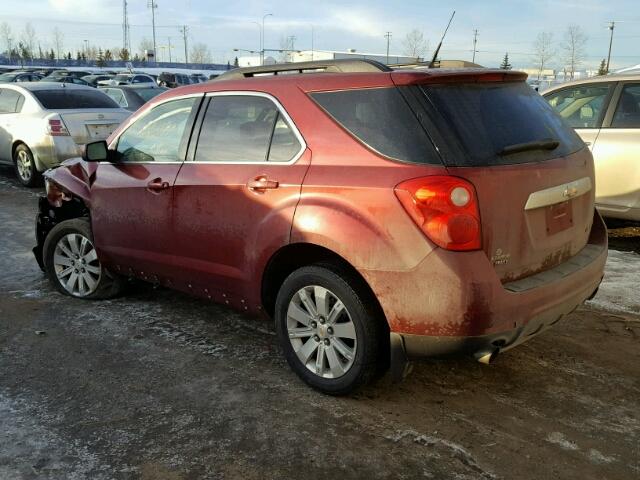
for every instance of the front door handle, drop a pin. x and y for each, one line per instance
(262, 183)
(157, 185)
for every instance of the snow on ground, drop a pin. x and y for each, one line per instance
(619, 291)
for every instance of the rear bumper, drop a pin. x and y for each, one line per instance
(453, 303)
(54, 150)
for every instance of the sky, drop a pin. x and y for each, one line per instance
(503, 26)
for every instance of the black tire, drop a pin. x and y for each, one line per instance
(25, 167)
(369, 359)
(107, 285)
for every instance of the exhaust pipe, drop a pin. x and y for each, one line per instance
(487, 356)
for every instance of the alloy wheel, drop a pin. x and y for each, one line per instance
(23, 162)
(321, 331)
(76, 265)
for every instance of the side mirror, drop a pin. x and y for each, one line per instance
(95, 152)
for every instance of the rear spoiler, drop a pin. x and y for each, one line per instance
(467, 75)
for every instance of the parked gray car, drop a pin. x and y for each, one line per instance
(42, 124)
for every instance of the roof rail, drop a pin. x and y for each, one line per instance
(333, 66)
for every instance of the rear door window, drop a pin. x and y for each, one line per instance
(382, 120)
(117, 96)
(581, 106)
(240, 128)
(481, 122)
(68, 99)
(628, 109)
(10, 101)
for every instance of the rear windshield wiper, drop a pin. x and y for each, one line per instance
(544, 144)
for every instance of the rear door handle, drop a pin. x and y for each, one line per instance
(262, 183)
(157, 185)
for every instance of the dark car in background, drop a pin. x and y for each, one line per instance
(65, 79)
(173, 80)
(132, 97)
(12, 77)
(57, 75)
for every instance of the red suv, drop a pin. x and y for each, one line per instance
(376, 215)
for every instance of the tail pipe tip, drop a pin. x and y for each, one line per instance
(487, 356)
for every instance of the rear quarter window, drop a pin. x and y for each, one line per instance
(73, 99)
(382, 120)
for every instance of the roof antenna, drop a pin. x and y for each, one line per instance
(435, 54)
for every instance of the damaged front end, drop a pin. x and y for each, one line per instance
(67, 193)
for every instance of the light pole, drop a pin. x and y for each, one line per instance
(86, 49)
(612, 25)
(153, 5)
(262, 38)
(388, 37)
(311, 42)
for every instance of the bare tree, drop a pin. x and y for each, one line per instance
(543, 50)
(6, 36)
(200, 53)
(29, 39)
(414, 44)
(58, 42)
(573, 48)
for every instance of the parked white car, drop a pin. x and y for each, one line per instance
(605, 112)
(128, 79)
(42, 124)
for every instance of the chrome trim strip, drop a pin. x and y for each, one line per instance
(558, 194)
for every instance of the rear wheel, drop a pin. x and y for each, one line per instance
(25, 167)
(72, 263)
(330, 336)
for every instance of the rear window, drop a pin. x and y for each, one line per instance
(381, 119)
(63, 99)
(148, 93)
(478, 121)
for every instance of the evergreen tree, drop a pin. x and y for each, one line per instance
(603, 68)
(100, 59)
(136, 58)
(52, 55)
(68, 55)
(236, 63)
(108, 56)
(505, 65)
(78, 55)
(124, 55)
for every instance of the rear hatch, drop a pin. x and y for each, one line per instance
(533, 175)
(88, 114)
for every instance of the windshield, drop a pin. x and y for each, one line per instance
(122, 78)
(7, 77)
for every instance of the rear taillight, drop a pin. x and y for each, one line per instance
(446, 210)
(57, 128)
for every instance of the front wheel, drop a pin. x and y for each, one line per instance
(25, 167)
(331, 336)
(72, 263)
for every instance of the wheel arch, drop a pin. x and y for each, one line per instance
(296, 255)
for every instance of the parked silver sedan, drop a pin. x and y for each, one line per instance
(605, 112)
(42, 124)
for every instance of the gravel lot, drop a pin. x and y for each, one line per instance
(158, 385)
